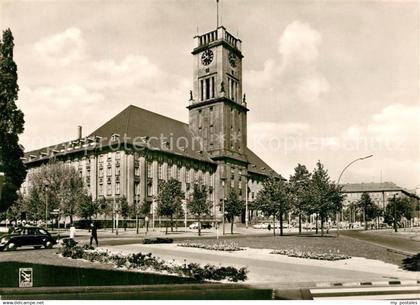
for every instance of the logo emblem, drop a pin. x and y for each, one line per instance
(25, 277)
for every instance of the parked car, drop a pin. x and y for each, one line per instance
(27, 236)
(204, 225)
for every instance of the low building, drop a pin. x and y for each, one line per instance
(380, 193)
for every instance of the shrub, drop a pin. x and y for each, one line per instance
(412, 263)
(142, 261)
(119, 260)
(158, 240)
(68, 242)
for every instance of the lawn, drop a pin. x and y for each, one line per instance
(330, 243)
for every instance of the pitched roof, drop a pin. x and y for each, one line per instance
(370, 187)
(257, 165)
(134, 123)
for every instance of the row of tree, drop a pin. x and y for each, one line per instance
(304, 193)
(170, 199)
(58, 186)
(396, 209)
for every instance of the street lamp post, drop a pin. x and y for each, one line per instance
(246, 200)
(47, 184)
(395, 213)
(185, 215)
(223, 216)
(338, 184)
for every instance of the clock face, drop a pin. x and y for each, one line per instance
(207, 57)
(232, 59)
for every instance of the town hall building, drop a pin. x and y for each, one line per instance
(131, 153)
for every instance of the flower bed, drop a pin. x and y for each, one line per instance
(158, 240)
(331, 256)
(216, 246)
(147, 262)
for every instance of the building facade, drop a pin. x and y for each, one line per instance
(380, 193)
(131, 153)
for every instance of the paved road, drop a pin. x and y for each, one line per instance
(402, 242)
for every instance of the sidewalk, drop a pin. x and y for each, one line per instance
(277, 270)
(176, 234)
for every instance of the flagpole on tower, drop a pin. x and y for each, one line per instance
(217, 9)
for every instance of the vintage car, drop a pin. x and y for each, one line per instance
(27, 237)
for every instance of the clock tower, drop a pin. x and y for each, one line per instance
(217, 108)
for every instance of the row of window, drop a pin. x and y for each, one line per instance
(109, 189)
(207, 88)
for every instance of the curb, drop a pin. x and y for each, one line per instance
(375, 283)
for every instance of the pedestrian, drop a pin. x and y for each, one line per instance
(269, 227)
(93, 234)
(72, 231)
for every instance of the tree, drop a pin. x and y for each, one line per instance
(169, 199)
(273, 200)
(124, 210)
(397, 208)
(198, 204)
(104, 206)
(14, 212)
(326, 197)
(11, 125)
(71, 190)
(233, 207)
(54, 185)
(87, 208)
(299, 191)
(369, 208)
(46, 188)
(145, 209)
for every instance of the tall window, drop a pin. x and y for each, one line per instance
(232, 89)
(207, 88)
(149, 187)
(149, 169)
(202, 90)
(117, 188)
(160, 171)
(178, 174)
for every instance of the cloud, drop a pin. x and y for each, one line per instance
(61, 49)
(394, 129)
(311, 89)
(97, 88)
(392, 135)
(299, 43)
(396, 121)
(293, 75)
(267, 129)
(132, 70)
(52, 113)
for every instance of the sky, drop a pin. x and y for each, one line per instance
(325, 80)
